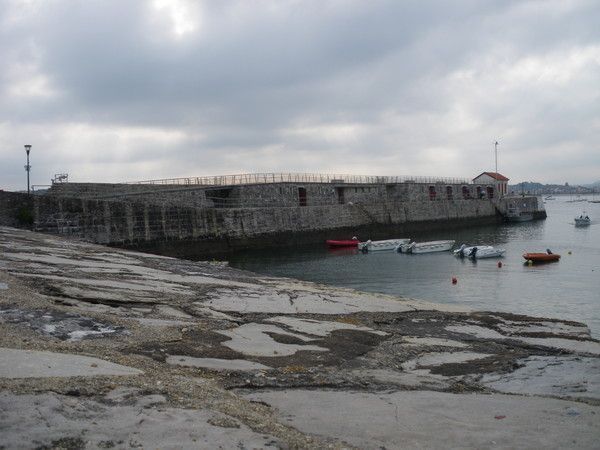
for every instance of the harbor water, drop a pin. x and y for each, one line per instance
(568, 289)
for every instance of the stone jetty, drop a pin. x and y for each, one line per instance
(107, 348)
(215, 215)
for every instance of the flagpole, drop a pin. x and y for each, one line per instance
(496, 160)
(496, 153)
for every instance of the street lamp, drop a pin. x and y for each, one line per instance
(27, 167)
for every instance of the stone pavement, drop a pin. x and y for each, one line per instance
(115, 348)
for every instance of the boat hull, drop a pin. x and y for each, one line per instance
(378, 246)
(483, 252)
(426, 247)
(491, 253)
(541, 257)
(333, 243)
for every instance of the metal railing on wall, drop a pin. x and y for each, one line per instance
(263, 178)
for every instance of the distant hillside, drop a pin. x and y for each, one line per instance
(532, 187)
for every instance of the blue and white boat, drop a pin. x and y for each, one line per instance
(479, 252)
(377, 246)
(425, 247)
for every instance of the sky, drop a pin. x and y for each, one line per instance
(114, 90)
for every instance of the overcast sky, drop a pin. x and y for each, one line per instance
(125, 90)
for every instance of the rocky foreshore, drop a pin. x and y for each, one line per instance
(105, 348)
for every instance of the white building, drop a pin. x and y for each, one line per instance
(493, 179)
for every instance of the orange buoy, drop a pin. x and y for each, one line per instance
(454, 280)
(499, 264)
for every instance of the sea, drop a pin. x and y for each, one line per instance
(568, 289)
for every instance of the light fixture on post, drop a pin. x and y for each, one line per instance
(27, 167)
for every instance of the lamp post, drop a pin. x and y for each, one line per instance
(27, 167)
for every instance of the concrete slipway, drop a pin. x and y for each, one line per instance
(103, 348)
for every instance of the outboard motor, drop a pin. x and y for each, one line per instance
(365, 248)
(461, 251)
(473, 253)
(548, 251)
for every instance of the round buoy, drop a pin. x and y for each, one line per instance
(569, 252)
(499, 264)
(454, 280)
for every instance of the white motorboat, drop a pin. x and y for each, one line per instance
(425, 247)
(376, 246)
(582, 221)
(479, 252)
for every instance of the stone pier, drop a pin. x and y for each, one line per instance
(175, 219)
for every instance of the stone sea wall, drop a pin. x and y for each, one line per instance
(281, 194)
(140, 224)
(181, 219)
(16, 209)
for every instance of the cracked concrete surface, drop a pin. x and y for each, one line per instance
(283, 363)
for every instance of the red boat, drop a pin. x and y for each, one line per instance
(541, 257)
(342, 243)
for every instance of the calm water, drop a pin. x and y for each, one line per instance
(568, 289)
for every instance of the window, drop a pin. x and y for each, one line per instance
(302, 196)
(449, 192)
(466, 192)
(340, 195)
(432, 193)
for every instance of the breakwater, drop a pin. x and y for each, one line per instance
(180, 219)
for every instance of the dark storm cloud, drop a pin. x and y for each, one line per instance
(391, 87)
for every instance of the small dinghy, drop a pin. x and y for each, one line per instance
(340, 243)
(582, 221)
(425, 247)
(479, 252)
(377, 246)
(541, 257)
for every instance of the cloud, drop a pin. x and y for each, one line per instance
(185, 88)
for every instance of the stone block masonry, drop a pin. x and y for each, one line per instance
(16, 209)
(144, 225)
(201, 219)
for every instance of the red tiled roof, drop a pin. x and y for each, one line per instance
(494, 175)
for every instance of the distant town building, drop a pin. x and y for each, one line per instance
(499, 181)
